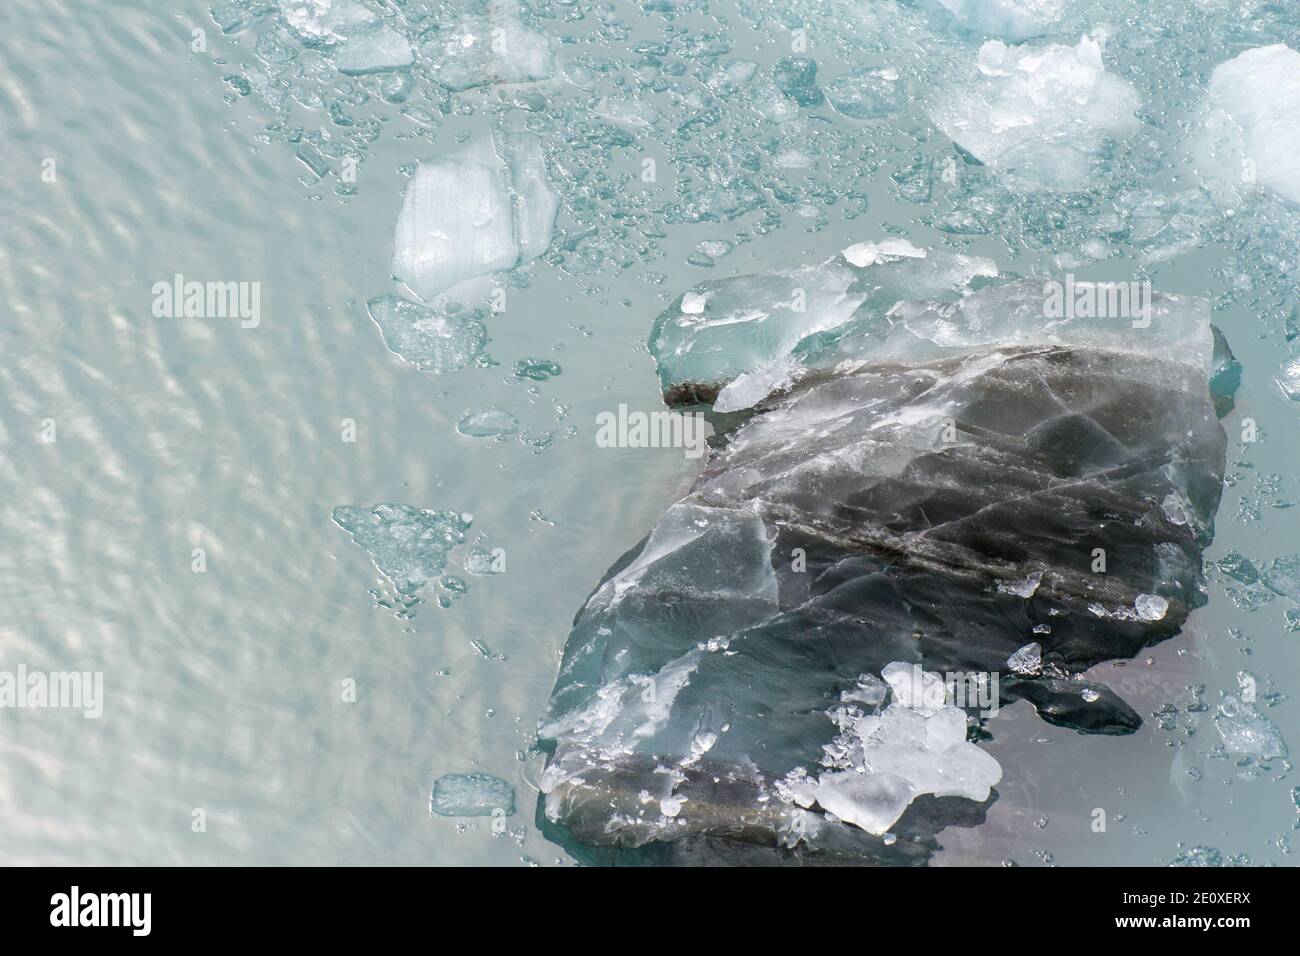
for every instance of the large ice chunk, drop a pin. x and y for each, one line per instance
(918, 491)
(485, 208)
(1038, 113)
(1250, 132)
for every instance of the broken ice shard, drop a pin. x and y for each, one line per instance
(486, 42)
(1039, 113)
(408, 545)
(471, 795)
(439, 340)
(903, 484)
(487, 207)
(732, 333)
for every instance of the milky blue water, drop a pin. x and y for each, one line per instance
(304, 696)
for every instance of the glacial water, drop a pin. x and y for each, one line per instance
(327, 551)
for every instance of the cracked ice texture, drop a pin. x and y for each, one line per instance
(869, 512)
(485, 208)
(1249, 131)
(1039, 113)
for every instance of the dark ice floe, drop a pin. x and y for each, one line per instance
(907, 490)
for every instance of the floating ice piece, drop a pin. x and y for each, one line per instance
(868, 94)
(1028, 660)
(471, 795)
(488, 423)
(916, 745)
(486, 208)
(354, 35)
(858, 521)
(1039, 113)
(1283, 576)
(1249, 134)
(489, 42)
(436, 340)
(727, 328)
(1246, 731)
(1009, 19)
(379, 49)
(408, 545)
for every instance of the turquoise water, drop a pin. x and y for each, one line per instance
(224, 690)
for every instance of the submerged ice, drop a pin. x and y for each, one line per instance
(408, 545)
(914, 483)
(441, 339)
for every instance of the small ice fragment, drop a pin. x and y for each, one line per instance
(865, 254)
(1025, 588)
(671, 806)
(480, 562)
(693, 303)
(1150, 607)
(471, 795)
(435, 340)
(408, 545)
(1245, 731)
(489, 422)
(538, 370)
(703, 742)
(379, 49)
(1028, 660)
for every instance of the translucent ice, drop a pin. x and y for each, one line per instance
(378, 49)
(1039, 113)
(1250, 134)
(752, 325)
(1246, 731)
(408, 545)
(1009, 19)
(440, 339)
(488, 423)
(471, 795)
(1027, 660)
(488, 207)
(486, 42)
